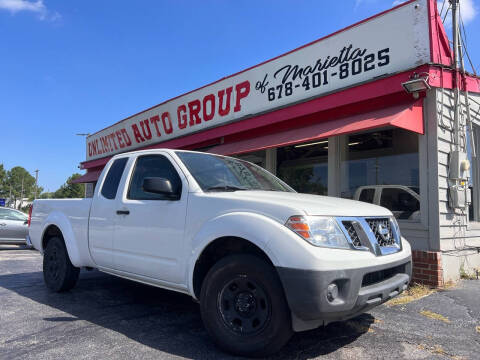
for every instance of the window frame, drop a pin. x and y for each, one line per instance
(126, 194)
(100, 190)
(475, 178)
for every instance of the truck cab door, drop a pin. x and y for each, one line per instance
(103, 215)
(150, 227)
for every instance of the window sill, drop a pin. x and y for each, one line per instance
(412, 225)
(473, 225)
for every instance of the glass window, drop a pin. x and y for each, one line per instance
(110, 185)
(367, 195)
(8, 214)
(403, 204)
(384, 159)
(153, 166)
(256, 157)
(474, 209)
(219, 173)
(305, 167)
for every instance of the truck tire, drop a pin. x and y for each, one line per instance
(58, 272)
(243, 306)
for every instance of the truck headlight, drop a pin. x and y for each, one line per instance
(319, 231)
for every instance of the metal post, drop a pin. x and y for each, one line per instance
(36, 184)
(21, 195)
(456, 122)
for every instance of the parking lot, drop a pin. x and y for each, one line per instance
(107, 317)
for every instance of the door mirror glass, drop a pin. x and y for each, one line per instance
(158, 185)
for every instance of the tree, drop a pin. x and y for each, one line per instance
(69, 190)
(20, 183)
(3, 182)
(46, 195)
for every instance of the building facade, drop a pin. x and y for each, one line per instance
(334, 117)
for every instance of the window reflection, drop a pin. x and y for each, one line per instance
(382, 168)
(305, 167)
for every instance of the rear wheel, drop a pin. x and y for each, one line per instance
(58, 272)
(244, 308)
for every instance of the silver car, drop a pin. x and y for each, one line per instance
(13, 226)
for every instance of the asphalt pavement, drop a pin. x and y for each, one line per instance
(108, 317)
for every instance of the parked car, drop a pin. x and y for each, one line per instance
(262, 260)
(403, 201)
(13, 226)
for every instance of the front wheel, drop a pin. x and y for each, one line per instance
(58, 272)
(243, 306)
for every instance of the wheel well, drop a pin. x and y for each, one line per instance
(218, 249)
(50, 232)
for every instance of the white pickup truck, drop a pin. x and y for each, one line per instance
(262, 260)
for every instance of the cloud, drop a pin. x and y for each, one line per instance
(468, 12)
(37, 7)
(467, 9)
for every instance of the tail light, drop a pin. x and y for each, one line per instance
(29, 221)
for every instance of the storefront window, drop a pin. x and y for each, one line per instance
(305, 167)
(256, 157)
(382, 167)
(473, 209)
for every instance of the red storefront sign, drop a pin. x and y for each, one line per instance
(319, 88)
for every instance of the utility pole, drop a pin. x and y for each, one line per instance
(21, 196)
(456, 123)
(36, 184)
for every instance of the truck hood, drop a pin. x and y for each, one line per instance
(282, 205)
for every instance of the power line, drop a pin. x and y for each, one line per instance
(446, 13)
(463, 35)
(443, 5)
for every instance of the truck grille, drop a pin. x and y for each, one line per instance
(381, 275)
(382, 229)
(352, 233)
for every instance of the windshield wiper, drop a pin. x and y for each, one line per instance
(225, 188)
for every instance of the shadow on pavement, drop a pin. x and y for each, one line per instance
(161, 319)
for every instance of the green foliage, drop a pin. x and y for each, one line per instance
(3, 182)
(17, 183)
(46, 195)
(69, 190)
(11, 186)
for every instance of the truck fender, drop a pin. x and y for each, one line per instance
(62, 222)
(256, 228)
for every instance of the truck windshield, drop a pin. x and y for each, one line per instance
(219, 173)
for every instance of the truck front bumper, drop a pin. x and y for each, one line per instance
(342, 294)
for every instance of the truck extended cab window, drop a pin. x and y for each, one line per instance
(110, 185)
(152, 166)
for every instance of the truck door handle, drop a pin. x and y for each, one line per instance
(3, 224)
(123, 212)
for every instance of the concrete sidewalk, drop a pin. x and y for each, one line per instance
(107, 317)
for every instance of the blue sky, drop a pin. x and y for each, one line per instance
(70, 67)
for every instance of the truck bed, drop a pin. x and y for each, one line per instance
(71, 214)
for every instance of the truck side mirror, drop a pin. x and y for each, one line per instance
(158, 185)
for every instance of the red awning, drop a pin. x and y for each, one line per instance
(407, 116)
(89, 177)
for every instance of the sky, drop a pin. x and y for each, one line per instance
(69, 67)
